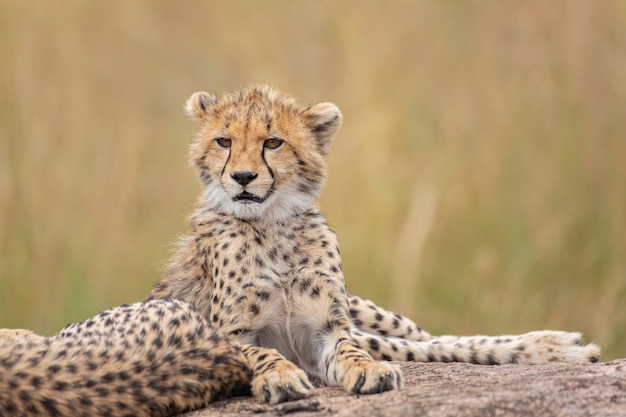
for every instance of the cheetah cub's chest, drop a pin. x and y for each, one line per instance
(269, 277)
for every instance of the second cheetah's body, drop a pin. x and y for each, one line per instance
(157, 358)
(263, 266)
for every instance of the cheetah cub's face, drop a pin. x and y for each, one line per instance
(259, 153)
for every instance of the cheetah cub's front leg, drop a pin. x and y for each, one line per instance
(354, 369)
(321, 323)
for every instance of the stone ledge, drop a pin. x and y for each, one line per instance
(455, 389)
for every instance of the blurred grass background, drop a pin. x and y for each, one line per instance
(478, 184)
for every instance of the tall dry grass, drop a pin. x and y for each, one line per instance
(478, 184)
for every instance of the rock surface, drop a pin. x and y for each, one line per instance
(454, 389)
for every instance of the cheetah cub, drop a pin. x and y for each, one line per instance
(262, 266)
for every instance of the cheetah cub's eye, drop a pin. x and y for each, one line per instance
(223, 142)
(273, 143)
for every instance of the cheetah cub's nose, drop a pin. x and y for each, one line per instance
(243, 178)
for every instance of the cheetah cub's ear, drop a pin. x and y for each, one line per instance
(324, 120)
(197, 105)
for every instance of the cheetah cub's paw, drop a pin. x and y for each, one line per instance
(556, 346)
(372, 378)
(285, 382)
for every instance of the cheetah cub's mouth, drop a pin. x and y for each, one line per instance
(247, 198)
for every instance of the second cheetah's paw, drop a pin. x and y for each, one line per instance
(280, 384)
(372, 378)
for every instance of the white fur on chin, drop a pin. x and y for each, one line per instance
(280, 205)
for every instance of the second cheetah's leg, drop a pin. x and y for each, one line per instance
(530, 348)
(275, 379)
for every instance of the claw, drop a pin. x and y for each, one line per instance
(359, 384)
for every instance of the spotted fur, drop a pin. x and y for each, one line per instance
(157, 358)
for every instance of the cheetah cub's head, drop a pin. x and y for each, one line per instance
(259, 153)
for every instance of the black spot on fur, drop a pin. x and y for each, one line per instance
(373, 344)
(315, 292)
(53, 369)
(36, 381)
(50, 405)
(263, 295)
